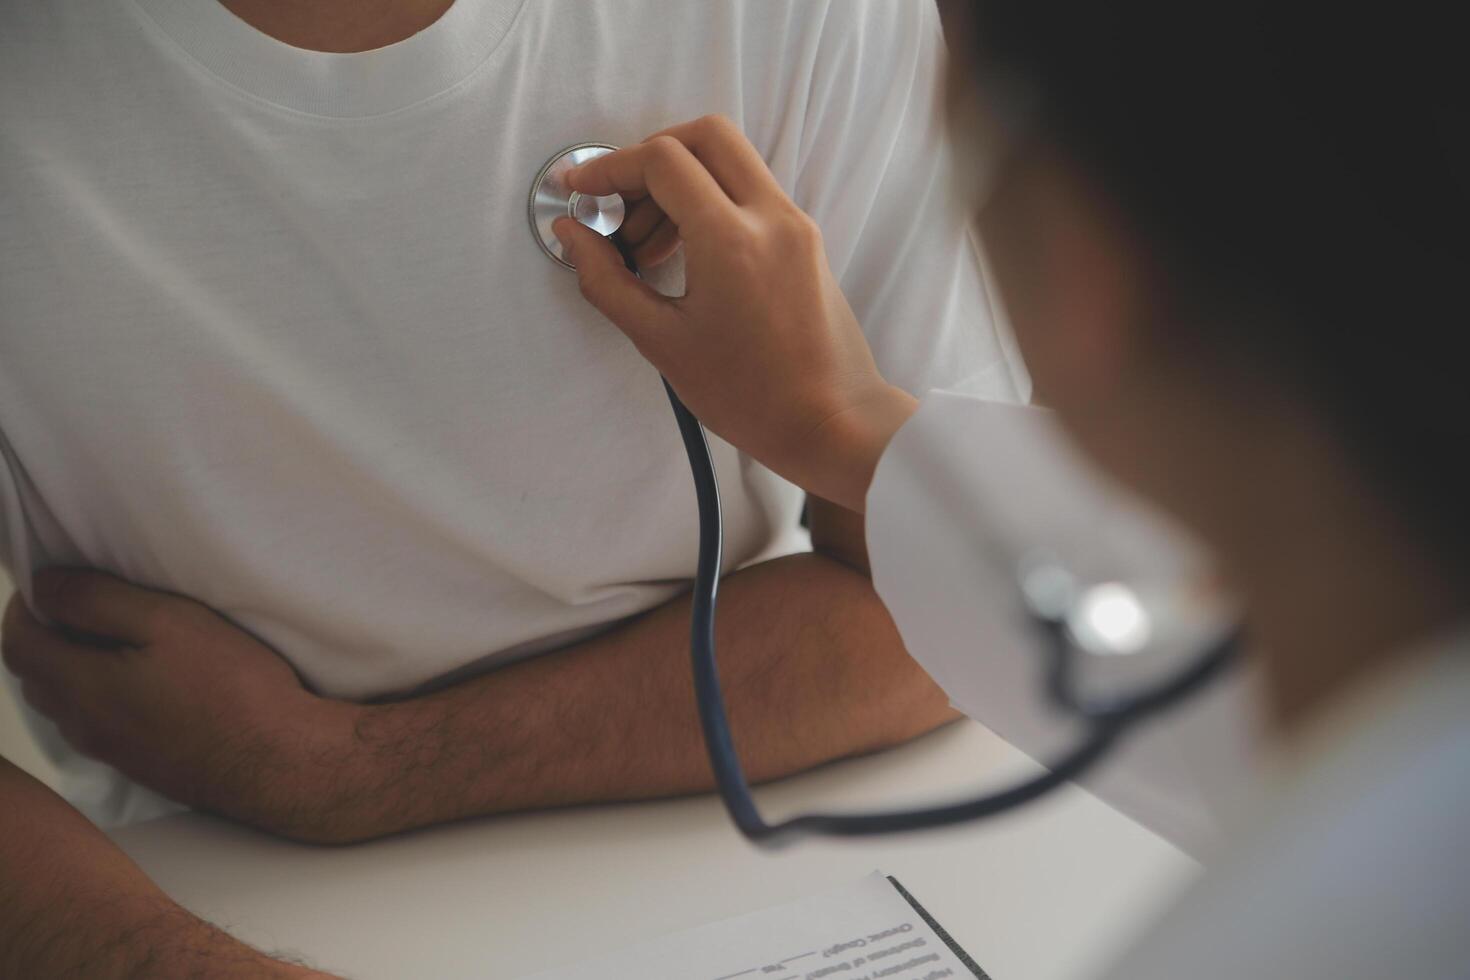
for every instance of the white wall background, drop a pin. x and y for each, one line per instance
(15, 741)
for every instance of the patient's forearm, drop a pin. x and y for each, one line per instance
(73, 905)
(812, 667)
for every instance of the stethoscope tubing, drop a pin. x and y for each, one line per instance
(1105, 728)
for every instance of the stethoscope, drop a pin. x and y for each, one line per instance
(1052, 611)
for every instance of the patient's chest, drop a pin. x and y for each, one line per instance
(321, 377)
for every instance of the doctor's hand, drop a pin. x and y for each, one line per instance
(763, 346)
(176, 697)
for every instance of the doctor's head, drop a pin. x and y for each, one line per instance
(1231, 241)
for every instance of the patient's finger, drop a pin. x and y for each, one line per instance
(729, 156)
(19, 647)
(41, 699)
(664, 169)
(98, 604)
(37, 653)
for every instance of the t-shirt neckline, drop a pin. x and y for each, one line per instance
(319, 83)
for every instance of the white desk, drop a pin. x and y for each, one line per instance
(1035, 896)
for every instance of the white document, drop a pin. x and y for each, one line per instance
(866, 931)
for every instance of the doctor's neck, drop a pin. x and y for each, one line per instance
(338, 26)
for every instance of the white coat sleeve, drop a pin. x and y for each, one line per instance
(960, 488)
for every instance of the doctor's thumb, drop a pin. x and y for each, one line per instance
(631, 304)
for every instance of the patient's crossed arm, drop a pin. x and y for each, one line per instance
(184, 702)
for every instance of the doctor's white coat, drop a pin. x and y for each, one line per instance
(1350, 861)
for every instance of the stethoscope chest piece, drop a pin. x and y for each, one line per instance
(552, 199)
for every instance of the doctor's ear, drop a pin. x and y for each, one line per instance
(1076, 280)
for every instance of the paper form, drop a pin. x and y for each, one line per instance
(866, 931)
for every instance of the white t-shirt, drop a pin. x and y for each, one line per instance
(1352, 864)
(274, 333)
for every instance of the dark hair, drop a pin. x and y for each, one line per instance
(1305, 162)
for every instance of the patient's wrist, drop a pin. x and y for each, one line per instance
(312, 783)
